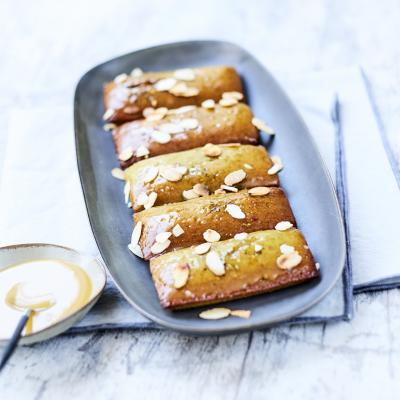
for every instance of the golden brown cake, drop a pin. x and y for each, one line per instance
(214, 125)
(130, 96)
(233, 269)
(248, 164)
(226, 214)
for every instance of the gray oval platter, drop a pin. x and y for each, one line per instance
(305, 179)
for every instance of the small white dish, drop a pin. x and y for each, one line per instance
(16, 254)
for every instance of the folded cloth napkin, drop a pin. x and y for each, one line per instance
(41, 198)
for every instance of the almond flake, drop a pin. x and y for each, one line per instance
(286, 249)
(137, 232)
(127, 189)
(131, 110)
(151, 200)
(185, 74)
(262, 126)
(109, 127)
(276, 160)
(118, 173)
(273, 170)
(257, 247)
(241, 313)
(230, 101)
(142, 151)
(137, 251)
(165, 84)
(120, 78)
(215, 313)
(171, 128)
(126, 154)
(201, 190)
(235, 211)
(157, 248)
(141, 199)
(170, 174)
(179, 89)
(189, 123)
(108, 114)
(202, 248)
(211, 150)
(230, 188)
(259, 191)
(306, 247)
(181, 110)
(208, 103)
(181, 169)
(289, 260)
(129, 205)
(136, 72)
(191, 92)
(148, 111)
(248, 166)
(215, 264)
(177, 231)
(220, 191)
(163, 237)
(158, 114)
(230, 145)
(211, 236)
(235, 177)
(317, 266)
(189, 194)
(283, 226)
(151, 174)
(181, 274)
(234, 95)
(154, 103)
(240, 236)
(160, 137)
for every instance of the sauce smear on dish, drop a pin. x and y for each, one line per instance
(54, 288)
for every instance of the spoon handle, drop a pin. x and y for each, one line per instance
(12, 344)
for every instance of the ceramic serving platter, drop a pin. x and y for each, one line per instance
(305, 179)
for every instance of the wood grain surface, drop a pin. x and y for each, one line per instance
(46, 46)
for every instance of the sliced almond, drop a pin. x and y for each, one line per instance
(235, 211)
(158, 248)
(142, 151)
(230, 101)
(154, 103)
(181, 274)
(202, 248)
(211, 150)
(160, 137)
(283, 226)
(151, 175)
(126, 154)
(170, 174)
(235, 177)
(129, 205)
(108, 114)
(208, 103)
(258, 247)
(109, 127)
(248, 166)
(276, 160)
(171, 128)
(127, 189)
(215, 264)
(120, 78)
(289, 260)
(185, 74)
(229, 188)
(240, 236)
(262, 126)
(259, 191)
(165, 84)
(201, 190)
(286, 249)
(151, 200)
(181, 169)
(211, 236)
(136, 72)
(131, 110)
(230, 145)
(148, 111)
(317, 266)
(273, 170)
(163, 237)
(241, 313)
(189, 194)
(137, 251)
(137, 232)
(141, 199)
(234, 95)
(189, 123)
(155, 117)
(177, 230)
(179, 89)
(191, 92)
(220, 191)
(181, 110)
(118, 173)
(215, 313)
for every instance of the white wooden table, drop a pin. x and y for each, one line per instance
(45, 46)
